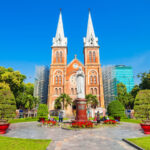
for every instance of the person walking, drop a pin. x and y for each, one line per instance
(60, 116)
(98, 117)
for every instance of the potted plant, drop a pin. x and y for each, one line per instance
(116, 110)
(7, 108)
(42, 112)
(142, 109)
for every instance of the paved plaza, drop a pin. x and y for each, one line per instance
(104, 138)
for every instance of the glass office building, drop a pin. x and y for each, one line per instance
(112, 75)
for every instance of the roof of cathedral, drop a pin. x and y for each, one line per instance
(74, 60)
(60, 39)
(90, 39)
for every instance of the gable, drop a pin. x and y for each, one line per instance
(72, 67)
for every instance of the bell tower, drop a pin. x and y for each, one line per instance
(57, 76)
(93, 72)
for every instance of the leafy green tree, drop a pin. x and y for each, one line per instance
(142, 105)
(42, 111)
(57, 104)
(7, 103)
(125, 98)
(135, 91)
(29, 88)
(30, 102)
(116, 109)
(130, 101)
(13, 78)
(91, 100)
(145, 80)
(63, 100)
(26, 96)
(26, 101)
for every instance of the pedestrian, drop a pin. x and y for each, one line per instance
(60, 116)
(49, 117)
(98, 117)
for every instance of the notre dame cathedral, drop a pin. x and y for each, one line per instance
(62, 75)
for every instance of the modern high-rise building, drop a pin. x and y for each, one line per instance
(41, 83)
(112, 75)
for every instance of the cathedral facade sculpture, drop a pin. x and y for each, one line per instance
(80, 80)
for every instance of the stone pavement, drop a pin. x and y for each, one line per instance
(104, 138)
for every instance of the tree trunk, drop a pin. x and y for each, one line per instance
(28, 112)
(63, 105)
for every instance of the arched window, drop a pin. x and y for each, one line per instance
(94, 79)
(57, 56)
(91, 90)
(91, 79)
(60, 56)
(90, 56)
(72, 91)
(94, 56)
(59, 90)
(59, 79)
(56, 79)
(95, 91)
(56, 91)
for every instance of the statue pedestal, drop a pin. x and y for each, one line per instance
(81, 114)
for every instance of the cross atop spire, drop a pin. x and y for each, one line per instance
(90, 39)
(60, 39)
(75, 56)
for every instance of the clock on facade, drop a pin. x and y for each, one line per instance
(75, 65)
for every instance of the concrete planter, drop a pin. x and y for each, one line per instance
(4, 127)
(146, 128)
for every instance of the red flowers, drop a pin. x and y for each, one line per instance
(49, 122)
(110, 122)
(84, 124)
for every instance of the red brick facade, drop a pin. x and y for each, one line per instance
(62, 76)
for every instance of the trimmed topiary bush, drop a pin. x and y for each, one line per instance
(142, 105)
(42, 111)
(116, 109)
(7, 105)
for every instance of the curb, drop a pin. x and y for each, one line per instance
(132, 144)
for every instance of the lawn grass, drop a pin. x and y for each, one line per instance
(7, 143)
(23, 120)
(31, 119)
(130, 120)
(143, 142)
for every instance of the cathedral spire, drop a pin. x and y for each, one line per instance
(60, 39)
(90, 39)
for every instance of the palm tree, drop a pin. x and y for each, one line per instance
(63, 100)
(92, 100)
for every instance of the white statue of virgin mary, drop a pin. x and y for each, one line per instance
(80, 79)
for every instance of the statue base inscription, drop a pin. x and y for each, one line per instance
(81, 114)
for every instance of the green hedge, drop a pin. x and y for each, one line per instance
(42, 111)
(7, 105)
(116, 109)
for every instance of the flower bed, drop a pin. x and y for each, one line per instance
(84, 124)
(110, 122)
(49, 123)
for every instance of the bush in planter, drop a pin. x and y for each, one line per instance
(42, 111)
(116, 109)
(7, 103)
(142, 105)
(7, 107)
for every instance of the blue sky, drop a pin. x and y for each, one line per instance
(28, 26)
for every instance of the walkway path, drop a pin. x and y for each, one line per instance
(105, 138)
